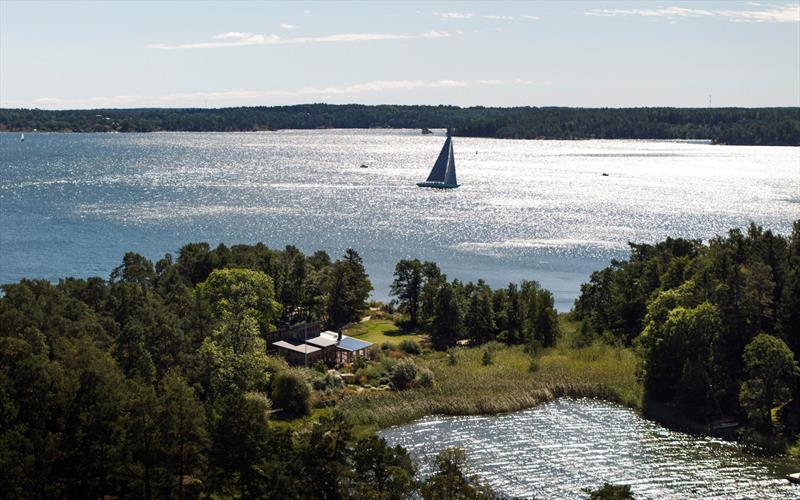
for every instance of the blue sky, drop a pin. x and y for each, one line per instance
(61, 55)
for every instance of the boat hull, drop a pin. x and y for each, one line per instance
(437, 185)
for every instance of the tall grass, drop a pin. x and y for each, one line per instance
(507, 384)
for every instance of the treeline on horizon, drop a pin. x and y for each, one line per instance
(743, 126)
(717, 325)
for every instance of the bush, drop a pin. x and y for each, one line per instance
(328, 382)
(291, 393)
(452, 359)
(360, 362)
(410, 346)
(487, 358)
(425, 377)
(403, 374)
(320, 367)
(610, 492)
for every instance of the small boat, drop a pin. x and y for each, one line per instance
(605, 174)
(364, 165)
(443, 173)
(723, 424)
(426, 131)
(22, 138)
(794, 478)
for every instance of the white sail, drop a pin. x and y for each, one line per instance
(439, 170)
(443, 173)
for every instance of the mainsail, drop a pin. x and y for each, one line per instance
(443, 173)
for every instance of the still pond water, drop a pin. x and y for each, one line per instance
(554, 450)
(72, 204)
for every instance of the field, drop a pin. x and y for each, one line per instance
(379, 331)
(512, 381)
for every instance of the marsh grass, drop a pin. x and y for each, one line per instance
(469, 387)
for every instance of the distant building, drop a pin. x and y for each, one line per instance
(298, 331)
(330, 347)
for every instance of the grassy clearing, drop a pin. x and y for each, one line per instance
(507, 384)
(380, 330)
(298, 423)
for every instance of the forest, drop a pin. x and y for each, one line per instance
(745, 126)
(717, 325)
(158, 381)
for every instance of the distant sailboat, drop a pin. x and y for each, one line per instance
(22, 138)
(443, 173)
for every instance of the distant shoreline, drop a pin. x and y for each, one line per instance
(732, 126)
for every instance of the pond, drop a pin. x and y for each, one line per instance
(554, 450)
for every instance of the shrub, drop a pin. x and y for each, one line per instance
(425, 377)
(360, 362)
(487, 358)
(610, 492)
(320, 367)
(403, 374)
(452, 359)
(328, 382)
(291, 393)
(410, 346)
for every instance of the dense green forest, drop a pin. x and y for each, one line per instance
(718, 325)
(157, 382)
(518, 314)
(756, 126)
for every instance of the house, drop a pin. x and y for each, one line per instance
(298, 331)
(330, 347)
(347, 348)
(298, 354)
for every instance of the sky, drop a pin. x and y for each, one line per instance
(70, 55)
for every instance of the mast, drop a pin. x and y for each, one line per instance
(450, 172)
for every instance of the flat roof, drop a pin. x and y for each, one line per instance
(302, 348)
(321, 341)
(347, 343)
(351, 344)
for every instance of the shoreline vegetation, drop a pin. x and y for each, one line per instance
(732, 126)
(159, 381)
(514, 380)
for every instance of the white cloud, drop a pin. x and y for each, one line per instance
(287, 26)
(240, 39)
(500, 18)
(232, 34)
(533, 18)
(784, 14)
(252, 97)
(454, 15)
(667, 12)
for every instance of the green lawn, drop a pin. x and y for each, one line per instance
(379, 331)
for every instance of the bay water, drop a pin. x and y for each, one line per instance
(72, 204)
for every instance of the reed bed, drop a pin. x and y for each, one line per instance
(469, 387)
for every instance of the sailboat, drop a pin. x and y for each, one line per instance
(22, 138)
(443, 173)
